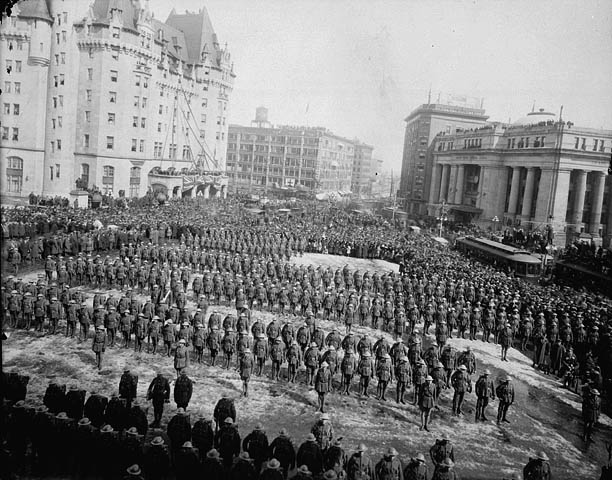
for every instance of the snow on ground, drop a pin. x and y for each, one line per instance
(545, 416)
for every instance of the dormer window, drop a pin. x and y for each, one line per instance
(116, 32)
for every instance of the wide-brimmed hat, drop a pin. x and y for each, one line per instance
(84, 422)
(311, 438)
(542, 455)
(157, 441)
(362, 447)
(273, 464)
(213, 454)
(228, 420)
(134, 470)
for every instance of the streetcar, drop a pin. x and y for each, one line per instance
(518, 260)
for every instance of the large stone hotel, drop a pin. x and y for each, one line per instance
(106, 94)
(538, 172)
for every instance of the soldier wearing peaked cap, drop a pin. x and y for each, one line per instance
(99, 345)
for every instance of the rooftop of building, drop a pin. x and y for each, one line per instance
(33, 9)
(450, 110)
(189, 36)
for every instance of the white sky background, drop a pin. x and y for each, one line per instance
(332, 55)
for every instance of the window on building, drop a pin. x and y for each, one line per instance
(134, 121)
(15, 134)
(203, 118)
(110, 143)
(9, 66)
(86, 140)
(63, 58)
(136, 101)
(144, 102)
(583, 146)
(116, 32)
(134, 144)
(61, 100)
(111, 119)
(60, 121)
(57, 170)
(115, 55)
(90, 74)
(51, 173)
(7, 108)
(7, 87)
(5, 133)
(62, 79)
(14, 174)
(108, 179)
(145, 82)
(595, 142)
(601, 146)
(17, 87)
(87, 116)
(113, 76)
(160, 110)
(112, 96)
(577, 144)
(143, 122)
(64, 36)
(18, 66)
(134, 182)
(159, 127)
(85, 173)
(57, 59)
(53, 123)
(202, 134)
(137, 80)
(65, 16)
(142, 146)
(59, 144)
(218, 120)
(57, 38)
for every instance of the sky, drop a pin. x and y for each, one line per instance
(360, 67)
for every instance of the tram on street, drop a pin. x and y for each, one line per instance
(520, 261)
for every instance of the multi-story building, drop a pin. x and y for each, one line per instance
(105, 93)
(364, 168)
(311, 158)
(537, 172)
(422, 125)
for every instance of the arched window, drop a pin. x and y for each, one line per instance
(135, 182)
(108, 179)
(14, 174)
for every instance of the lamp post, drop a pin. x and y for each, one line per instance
(442, 217)
(495, 221)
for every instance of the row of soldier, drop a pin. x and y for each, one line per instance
(66, 432)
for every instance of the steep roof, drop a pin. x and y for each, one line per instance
(198, 31)
(175, 38)
(102, 12)
(34, 9)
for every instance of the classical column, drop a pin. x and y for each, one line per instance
(580, 184)
(444, 185)
(528, 195)
(459, 185)
(597, 195)
(514, 190)
(434, 188)
(452, 181)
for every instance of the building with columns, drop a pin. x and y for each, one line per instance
(535, 173)
(422, 126)
(104, 93)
